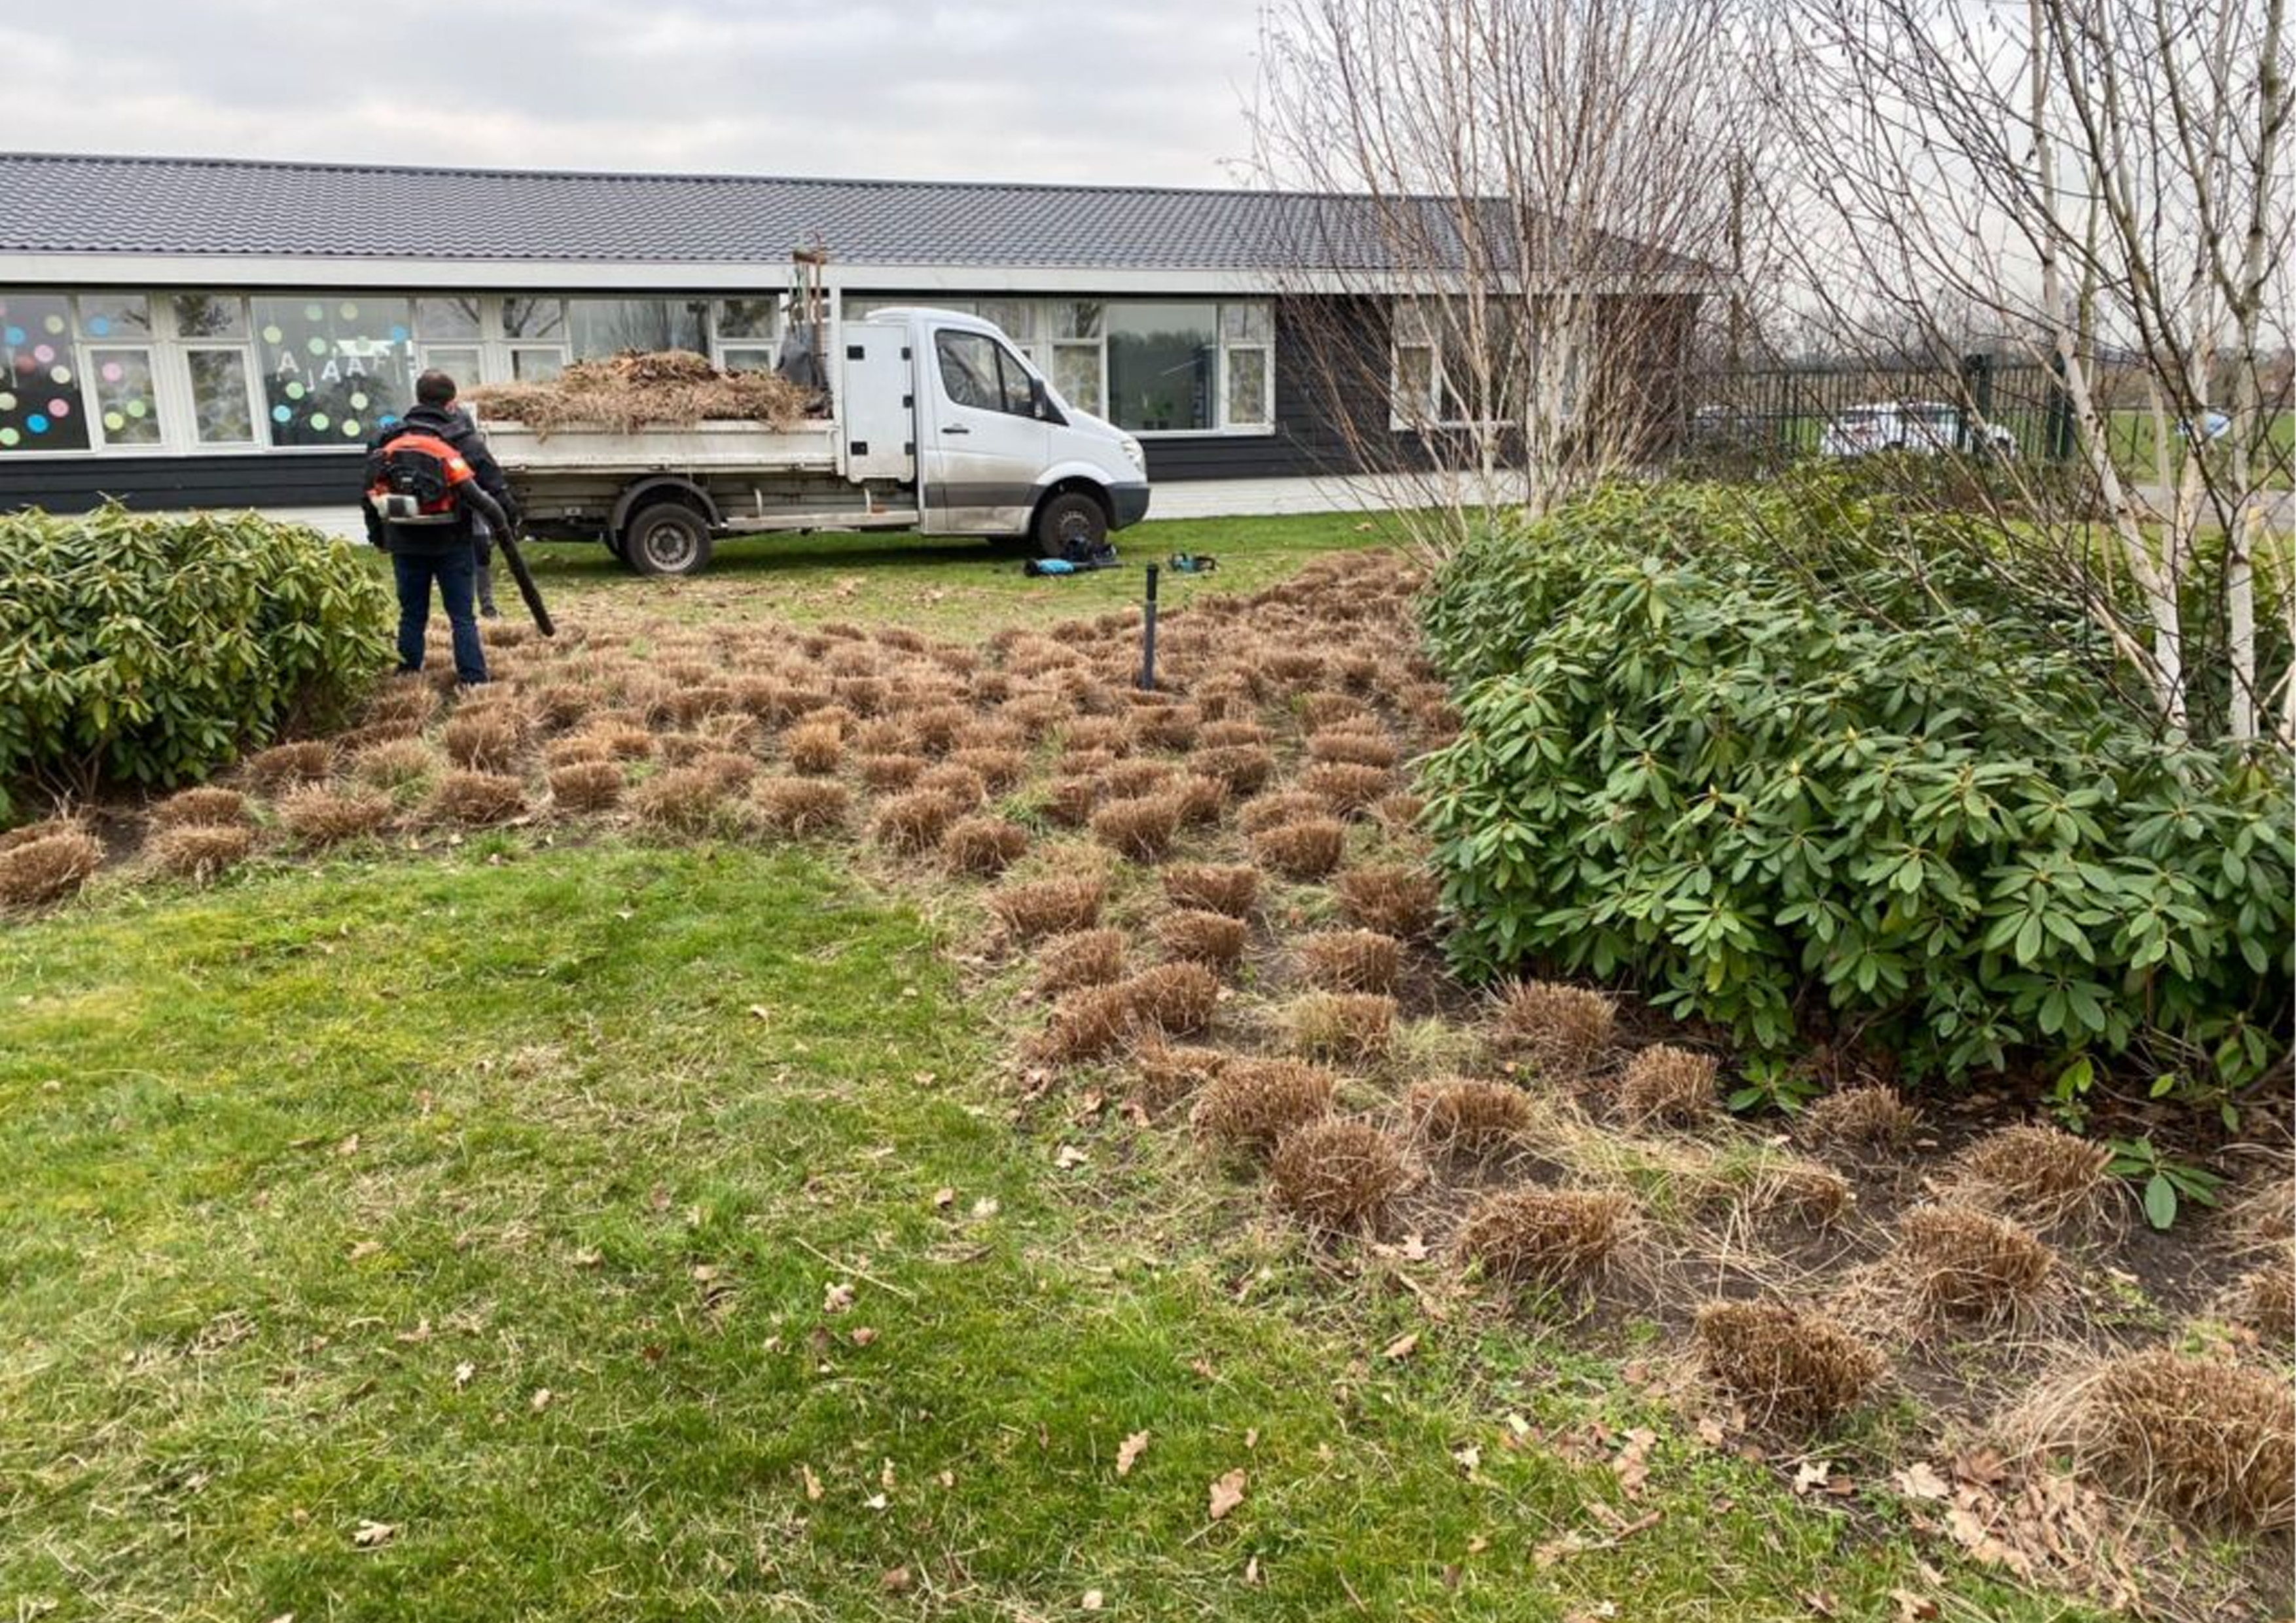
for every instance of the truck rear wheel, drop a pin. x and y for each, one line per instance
(1070, 520)
(667, 538)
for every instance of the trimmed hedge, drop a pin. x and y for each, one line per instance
(1727, 741)
(148, 649)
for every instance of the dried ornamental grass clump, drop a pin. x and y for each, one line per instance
(1048, 907)
(394, 764)
(1866, 1117)
(1391, 897)
(1141, 829)
(1176, 999)
(2216, 1440)
(284, 764)
(985, 845)
(1164, 1073)
(203, 806)
(477, 800)
(2040, 1174)
(1252, 1103)
(1202, 799)
(880, 772)
(199, 852)
(1962, 1263)
(1348, 959)
(685, 799)
(326, 817)
(1243, 768)
(1338, 1175)
(586, 786)
(2265, 1299)
(1563, 1031)
(801, 805)
(483, 740)
(1088, 1023)
(1666, 1083)
(1202, 936)
(1261, 813)
(1300, 850)
(46, 862)
(1353, 748)
(1790, 1368)
(814, 748)
(1342, 1025)
(1080, 958)
(913, 822)
(1549, 1237)
(1226, 888)
(1468, 1116)
(997, 769)
(961, 786)
(1069, 801)
(1344, 787)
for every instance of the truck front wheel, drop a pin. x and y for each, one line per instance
(1072, 521)
(666, 538)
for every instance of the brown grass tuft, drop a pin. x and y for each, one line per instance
(880, 772)
(323, 816)
(1242, 768)
(998, 769)
(586, 786)
(1399, 813)
(1468, 1116)
(1551, 1237)
(477, 799)
(206, 807)
(1388, 896)
(1563, 1031)
(1228, 734)
(1267, 811)
(1202, 936)
(1048, 907)
(1141, 829)
(199, 851)
(1086, 1024)
(1865, 1117)
(46, 862)
(483, 740)
(1353, 749)
(801, 805)
(1176, 999)
(814, 748)
(687, 799)
(1348, 959)
(1337, 1175)
(1213, 887)
(1069, 801)
(2216, 1440)
(1790, 1368)
(1164, 1073)
(1667, 1083)
(915, 820)
(1342, 1025)
(2265, 1298)
(1301, 850)
(1251, 1103)
(1347, 788)
(1165, 726)
(2264, 1218)
(984, 845)
(1962, 1263)
(394, 764)
(1202, 799)
(283, 764)
(1080, 958)
(2040, 1174)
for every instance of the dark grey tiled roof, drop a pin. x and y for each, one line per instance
(57, 203)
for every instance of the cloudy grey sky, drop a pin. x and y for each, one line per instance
(1137, 92)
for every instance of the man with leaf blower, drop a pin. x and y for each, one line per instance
(434, 496)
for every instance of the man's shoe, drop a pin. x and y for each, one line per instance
(488, 611)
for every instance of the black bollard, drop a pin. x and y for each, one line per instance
(1148, 636)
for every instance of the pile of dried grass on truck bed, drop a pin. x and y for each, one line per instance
(633, 388)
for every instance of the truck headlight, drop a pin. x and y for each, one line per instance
(1131, 451)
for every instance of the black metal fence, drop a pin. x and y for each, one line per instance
(1980, 404)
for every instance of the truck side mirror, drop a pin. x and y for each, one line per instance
(1040, 403)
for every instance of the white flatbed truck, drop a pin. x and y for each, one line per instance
(935, 424)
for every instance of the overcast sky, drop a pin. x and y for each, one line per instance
(1135, 92)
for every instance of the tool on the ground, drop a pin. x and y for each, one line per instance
(508, 542)
(1192, 563)
(1148, 636)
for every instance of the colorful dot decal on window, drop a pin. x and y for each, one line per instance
(7, 401)
(349, 310)
(137, 408)
(398, 332)
(312, 312)
(9, 437)
(358, 402)
(59, 374)
(44, 354)
(294, 391)
(271, 335)
(111, 371)
(351, 429)
(25, 362)
(36, 424)
(55, 323)
(15, 335)
(114, 422)
(59, 408)
(319, 421)
(316, 346)
(98, 327)
(390, 421)
(280, 414)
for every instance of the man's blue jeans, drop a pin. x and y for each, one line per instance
(454, 571)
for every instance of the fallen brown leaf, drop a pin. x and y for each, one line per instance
(373, 1535)
(1401, 1347)
(1227, 1494)
(1129, 1453)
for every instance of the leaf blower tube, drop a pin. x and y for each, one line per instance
(508, 542)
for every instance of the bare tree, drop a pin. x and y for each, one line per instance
(1520, 207)
(2108, 182)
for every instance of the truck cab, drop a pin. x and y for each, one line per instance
(933, 423)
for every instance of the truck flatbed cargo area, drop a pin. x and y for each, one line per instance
(934, 423)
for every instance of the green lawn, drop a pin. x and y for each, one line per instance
(495, 1199)
(943, 587)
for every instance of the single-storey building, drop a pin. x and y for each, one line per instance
(180, 331)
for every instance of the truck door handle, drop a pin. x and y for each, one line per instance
(956, 427)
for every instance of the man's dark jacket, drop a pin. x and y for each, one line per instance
(452, 424)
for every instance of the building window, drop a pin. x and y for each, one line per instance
(209, 315)
(126, 396)
(608, 326)
(1190, 367)
(1437, 384)
(749, 333)
(39, 375)
(1080, 371)
(332, 367)
(223, 401)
